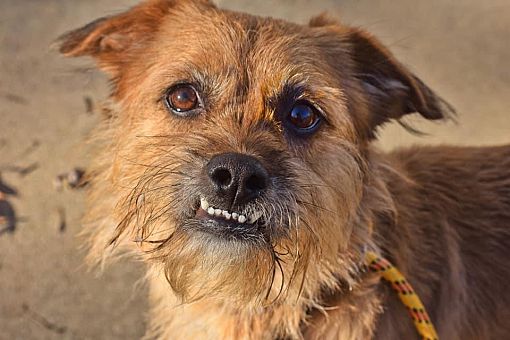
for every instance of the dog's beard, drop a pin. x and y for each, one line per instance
(303, 222)
(257, 268)
(261, 270)
(199, 265)
(253, 271)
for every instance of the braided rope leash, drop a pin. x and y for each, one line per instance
(405, 293)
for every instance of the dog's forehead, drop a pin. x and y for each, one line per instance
(242, 49)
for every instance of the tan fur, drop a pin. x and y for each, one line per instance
(441, 214)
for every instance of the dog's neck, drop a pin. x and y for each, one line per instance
(354, 311)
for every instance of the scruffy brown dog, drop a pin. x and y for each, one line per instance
(237, 162)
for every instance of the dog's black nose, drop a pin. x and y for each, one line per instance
(237, 178)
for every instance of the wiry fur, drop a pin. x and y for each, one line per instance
(440, 214)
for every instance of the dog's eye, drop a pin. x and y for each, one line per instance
(183, 100)
(304, 118)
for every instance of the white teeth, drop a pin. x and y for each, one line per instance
(203, 204)
(256, 215)
(227, 215)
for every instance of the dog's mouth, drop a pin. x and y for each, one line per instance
(224, 216)
(230, 224)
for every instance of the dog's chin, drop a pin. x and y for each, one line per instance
(210, 256)
(204, 261)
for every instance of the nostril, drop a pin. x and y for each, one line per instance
(221, 177)
(256, 182)
(236, 179)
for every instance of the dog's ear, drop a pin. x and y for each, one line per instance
(113, 40)
(392, 91)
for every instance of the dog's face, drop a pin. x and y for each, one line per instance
(239, 150)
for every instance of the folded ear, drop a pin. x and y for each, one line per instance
(392, 90)
(113, 40)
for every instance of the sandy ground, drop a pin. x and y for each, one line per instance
(460, 48)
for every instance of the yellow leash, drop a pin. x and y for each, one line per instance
(405, 293)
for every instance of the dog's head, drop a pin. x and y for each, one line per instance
(237, 158)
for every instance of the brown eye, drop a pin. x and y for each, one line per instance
(183, 100)
(304, 118)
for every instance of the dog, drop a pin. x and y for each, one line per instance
(237, 162)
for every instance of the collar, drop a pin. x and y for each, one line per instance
(405, 292)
